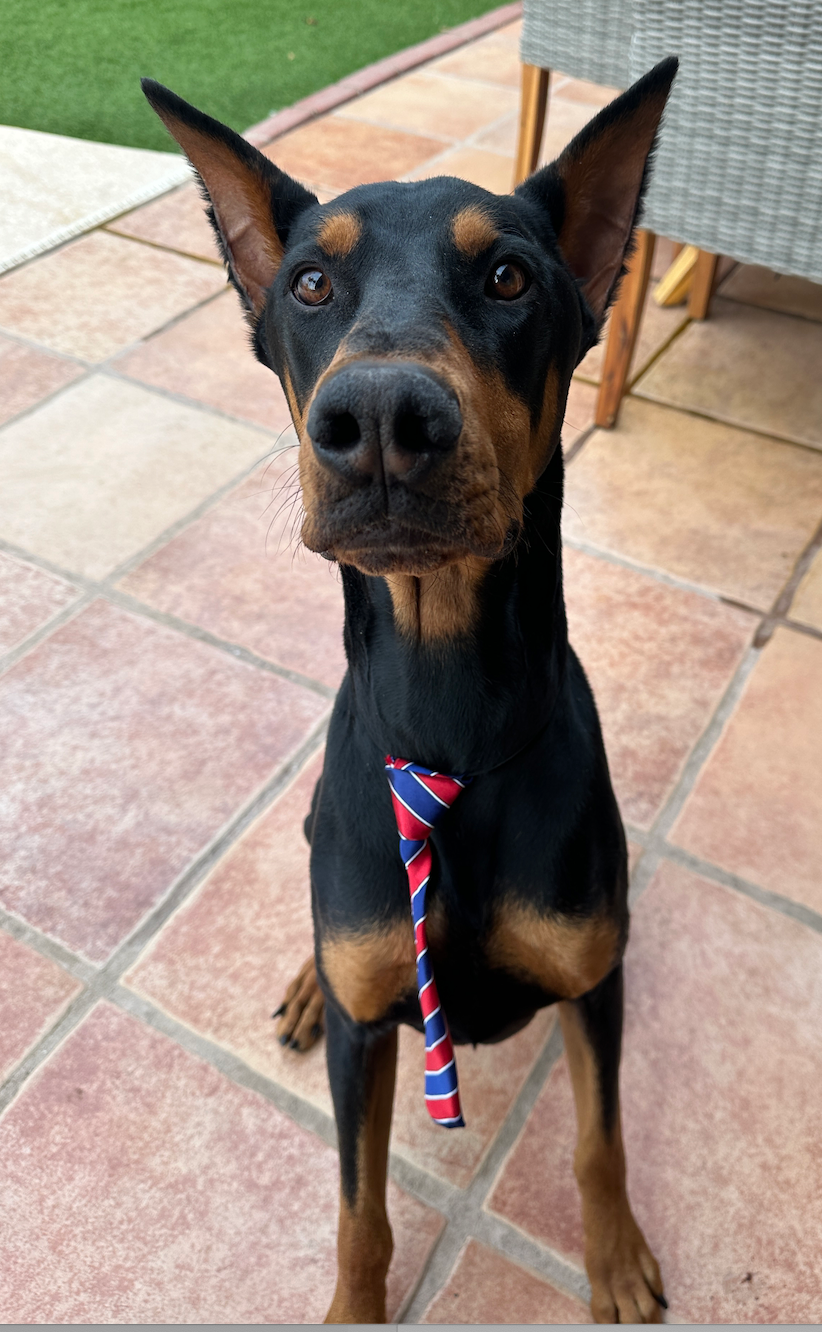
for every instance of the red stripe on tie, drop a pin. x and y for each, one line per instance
(445, 788)
(429, 1000)
(410, 825)
(446, 1108)
(439, 1057)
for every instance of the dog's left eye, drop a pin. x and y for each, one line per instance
(312, 287)
(507, 281)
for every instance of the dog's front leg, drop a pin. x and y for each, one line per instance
(361, 1069)
(626, 1286)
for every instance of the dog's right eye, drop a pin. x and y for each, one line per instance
(312, 287)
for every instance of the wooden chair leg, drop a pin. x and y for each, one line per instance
(702, 286)
(622, 334)
(533, 103)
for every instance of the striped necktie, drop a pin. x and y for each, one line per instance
(420, 798)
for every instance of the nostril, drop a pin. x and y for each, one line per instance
(411, 433)
(341, 432)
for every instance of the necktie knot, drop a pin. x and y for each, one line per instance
(421, 797)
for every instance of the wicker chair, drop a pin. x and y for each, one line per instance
(739, 166)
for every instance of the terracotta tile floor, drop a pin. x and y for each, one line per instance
(167, 663)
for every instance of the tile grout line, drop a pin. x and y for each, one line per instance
(659, 575)
(465, 1212)
(698, 415)
(47, 947)
(44, 631)
(235, 650)
(656, 843)
(298, 1108)
(106, 976)
(786, 906)
(91, 589)
(784, 599)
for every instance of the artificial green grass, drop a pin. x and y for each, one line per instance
(73, 66)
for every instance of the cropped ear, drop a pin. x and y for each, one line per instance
(252, 202)
(593, 191)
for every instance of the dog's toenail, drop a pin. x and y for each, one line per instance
(279, 1011)
(660, 1299)
(284, 1040)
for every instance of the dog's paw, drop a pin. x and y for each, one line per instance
(626, 1285)
(300, 1014)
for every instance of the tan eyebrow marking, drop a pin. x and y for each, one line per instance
(473, 231)
(339, 234)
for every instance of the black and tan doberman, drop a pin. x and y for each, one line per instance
(425, 335)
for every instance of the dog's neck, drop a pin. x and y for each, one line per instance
(467, 703)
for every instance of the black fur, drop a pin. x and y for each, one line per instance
(506, 702)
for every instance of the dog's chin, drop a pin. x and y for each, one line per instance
(414, 553)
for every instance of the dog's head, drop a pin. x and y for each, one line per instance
(425, 334)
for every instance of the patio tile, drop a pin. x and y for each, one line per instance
(754, 285)
(207, 356)
(698, 499)
(510, 35)
(426, 104)
(579, 411)
(580, 90)
(338, 153)
(722, 1110)
(659, 660)
(223, 961)
(177, 222)
(28, 599)
(563, 121)
(27, 375)
(659, 325)
(237, 573)
(756, 809)
(753, 368)
(94, 476)
(147, 1188)
(807, 603)
(484, 1287)
(101, 293)
(33, 993)
(490, 170)
(127, 747)
(490, 59)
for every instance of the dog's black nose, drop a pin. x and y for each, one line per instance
(382, 419)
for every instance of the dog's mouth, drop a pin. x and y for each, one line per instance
(407, 543)
(404, 550)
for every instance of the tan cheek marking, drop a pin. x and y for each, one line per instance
(339, 234)
(473, 231)
(370, 972)
(566, 957)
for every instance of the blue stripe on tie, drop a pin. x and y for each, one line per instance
(434, 1027)
(442, 1083)
(417, 798)
(424, 972)
(459, 1122)
(409, 849)
(418, 904)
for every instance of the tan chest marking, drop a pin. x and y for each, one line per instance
(370, 972)
(564, 956)
(430, 608)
